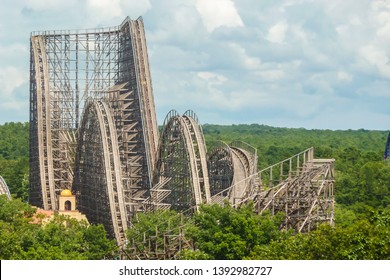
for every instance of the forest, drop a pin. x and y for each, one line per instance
(362, 210)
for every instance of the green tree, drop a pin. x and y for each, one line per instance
(14, 140)
(14, 152)
(63, 237)
(374, 178)
(366, 239)
(148, 230)
(15, 173)
(226, 233)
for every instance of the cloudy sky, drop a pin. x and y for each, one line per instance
(288, 63)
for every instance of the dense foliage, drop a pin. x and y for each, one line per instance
(225, 233)
(367, 239)
(274, 143)
(24, 236)
(362, 177)
(14, 157)
(362, 193)
(14, 140)
(153, 224)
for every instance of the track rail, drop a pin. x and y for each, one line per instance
(4, 188)
(40, 133)
(121, 165)
(182, 158)
(144, 91)
(238, 165)
(245, 164)
(98, 181)
(221, 170)
(199, 146)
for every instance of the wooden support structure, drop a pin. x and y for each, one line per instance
(93, 129)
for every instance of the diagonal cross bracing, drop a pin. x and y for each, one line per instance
(111, 153)
(68, 67)
(98, 179)
(182, 159)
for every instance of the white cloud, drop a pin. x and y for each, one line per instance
(178, 26)
(44, 5)
(13, 93)
(10, 54)
(218, 13)
(382, 18)
(212, 78)
(296, 70)
(89, 13)
(277, 33)
(292, 63)
(249, 62)
(110, 12)
(344, 76)
(104, 8)
(10, 79)
(378, 58)
(271, 75)
(235, 101)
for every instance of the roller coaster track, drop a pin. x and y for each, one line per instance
(144, 85)
(68, 67)
(232, 164)
(184, 171)
(245, 164)
(4, 188)
(41, 154)
(301, 187)
(306, 200)
(198, 144)
(115, 161)
(98, 178)
(181, 178)
(109, 66)
(221, 171)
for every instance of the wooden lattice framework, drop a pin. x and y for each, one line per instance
(181, 174)
(93, 129)
(67, 69)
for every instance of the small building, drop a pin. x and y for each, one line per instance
(67, 201)
(67, 206)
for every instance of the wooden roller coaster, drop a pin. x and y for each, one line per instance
(93, 130)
